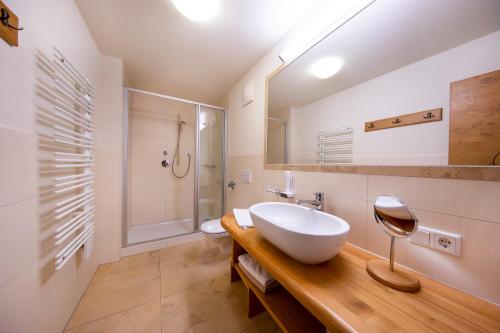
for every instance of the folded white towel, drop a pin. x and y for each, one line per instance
(243, 218)
(265, 289)
(260, 276)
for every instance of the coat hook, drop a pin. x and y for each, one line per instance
(4, 18)
(428, 115)
(370, 125)
(396, 121)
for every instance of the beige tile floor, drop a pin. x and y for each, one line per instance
(179, 289)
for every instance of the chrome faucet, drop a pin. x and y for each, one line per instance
(318, 202)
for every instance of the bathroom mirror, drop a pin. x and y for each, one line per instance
(397, 221)
(384, 110)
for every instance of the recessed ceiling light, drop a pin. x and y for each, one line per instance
(326, 67)
(197, 10)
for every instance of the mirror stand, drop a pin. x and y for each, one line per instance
(383, 271)
(396, 220)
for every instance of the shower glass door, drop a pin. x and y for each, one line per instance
(210, 167)
(161, 150)
(174, 166)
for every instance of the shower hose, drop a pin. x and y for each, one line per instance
(176, 154)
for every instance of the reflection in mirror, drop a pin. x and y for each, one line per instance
(389, 66)
(277, 138)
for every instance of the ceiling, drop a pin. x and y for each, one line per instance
(387, 35)
(165, 52)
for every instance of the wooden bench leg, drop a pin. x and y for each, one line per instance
(234, 274)
(255, 307)
(237, 250)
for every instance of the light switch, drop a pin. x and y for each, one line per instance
(246, 176)
(421, 237)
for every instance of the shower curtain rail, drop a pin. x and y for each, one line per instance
(145, 92)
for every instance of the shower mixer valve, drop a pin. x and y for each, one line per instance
(165, 163)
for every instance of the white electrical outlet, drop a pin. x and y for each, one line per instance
(437, 239)
(447, 243)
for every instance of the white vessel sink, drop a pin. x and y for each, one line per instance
(307, 235)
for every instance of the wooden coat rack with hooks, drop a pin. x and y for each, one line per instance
(421, 117)
(9, 25)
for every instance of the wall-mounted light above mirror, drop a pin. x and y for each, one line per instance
(330, 15)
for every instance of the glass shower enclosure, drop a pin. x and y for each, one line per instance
(174, 166)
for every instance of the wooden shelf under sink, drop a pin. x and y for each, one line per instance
(286, 311)
(344, 298)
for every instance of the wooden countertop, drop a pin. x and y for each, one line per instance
(342, 295)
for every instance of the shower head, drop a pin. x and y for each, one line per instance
(179, 121)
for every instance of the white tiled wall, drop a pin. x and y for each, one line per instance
(109, 140)
(110, 206)
(33, 296)
(468, 208)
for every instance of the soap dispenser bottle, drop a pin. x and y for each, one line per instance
(289, 184)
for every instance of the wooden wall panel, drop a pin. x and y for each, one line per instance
(475, 120)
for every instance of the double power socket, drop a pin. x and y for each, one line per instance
(437, 239)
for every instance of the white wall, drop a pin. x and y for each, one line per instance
(34, 297)
(420, 86)
(245, 122)
(109, 145)
(465, 207)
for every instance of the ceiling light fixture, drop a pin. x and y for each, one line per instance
(197, 10)
(330, 15)
(326, 67)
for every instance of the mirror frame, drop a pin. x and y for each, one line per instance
(465, 172)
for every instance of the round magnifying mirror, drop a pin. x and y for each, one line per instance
(396, 219)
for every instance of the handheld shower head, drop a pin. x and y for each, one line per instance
(179, 121)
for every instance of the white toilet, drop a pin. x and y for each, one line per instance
(217, 235)
(213, 229)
